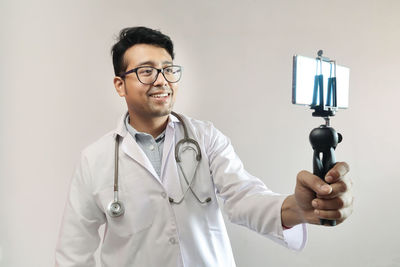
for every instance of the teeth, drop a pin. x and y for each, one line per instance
(160, 95)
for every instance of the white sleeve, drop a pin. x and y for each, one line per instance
(79, 237)
(247, 201)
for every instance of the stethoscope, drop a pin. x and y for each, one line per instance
(116, 207)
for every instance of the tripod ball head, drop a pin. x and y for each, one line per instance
(324, 138)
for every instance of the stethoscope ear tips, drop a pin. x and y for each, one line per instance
(115, 209)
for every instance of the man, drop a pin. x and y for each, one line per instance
(171, 215)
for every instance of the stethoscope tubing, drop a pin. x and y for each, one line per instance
(116, 207)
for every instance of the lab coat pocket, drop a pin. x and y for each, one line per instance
(138, 215)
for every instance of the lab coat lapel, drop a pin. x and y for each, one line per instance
(132, 149)
(169, 173)
(168, 144)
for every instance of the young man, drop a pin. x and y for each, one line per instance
(168, 187)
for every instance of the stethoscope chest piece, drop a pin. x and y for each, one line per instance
(115, 209)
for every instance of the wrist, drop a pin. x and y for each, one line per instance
(291, 213)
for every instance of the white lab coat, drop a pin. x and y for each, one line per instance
(154, 232)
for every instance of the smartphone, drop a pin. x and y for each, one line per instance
(305, 70)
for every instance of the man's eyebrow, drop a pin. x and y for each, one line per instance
(152, 63)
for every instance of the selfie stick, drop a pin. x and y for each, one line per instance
(324, 139)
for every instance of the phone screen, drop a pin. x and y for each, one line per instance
(304, 71)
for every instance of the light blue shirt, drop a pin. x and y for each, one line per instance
(152, 147)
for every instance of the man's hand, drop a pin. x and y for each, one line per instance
(315, 199)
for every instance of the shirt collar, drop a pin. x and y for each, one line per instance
(136, 134)
(122, 128)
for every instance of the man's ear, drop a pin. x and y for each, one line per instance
(119, 85)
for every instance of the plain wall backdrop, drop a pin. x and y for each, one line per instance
(57, 97)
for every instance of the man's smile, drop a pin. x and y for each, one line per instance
(160, 96)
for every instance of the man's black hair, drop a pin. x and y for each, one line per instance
(129, 37)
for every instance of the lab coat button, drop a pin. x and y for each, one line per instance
(164, 195)
(172, 240)
(151, 147)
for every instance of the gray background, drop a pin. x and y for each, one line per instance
(57, 96)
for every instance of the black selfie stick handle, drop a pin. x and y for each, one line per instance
(324, 140)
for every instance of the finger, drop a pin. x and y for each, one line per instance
(338, 215)
(333, 204)
(338, 171)
(314, 183)
(338, 189)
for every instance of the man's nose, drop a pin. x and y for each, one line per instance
(160, 81)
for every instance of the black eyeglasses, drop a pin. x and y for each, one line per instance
(148, 75)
